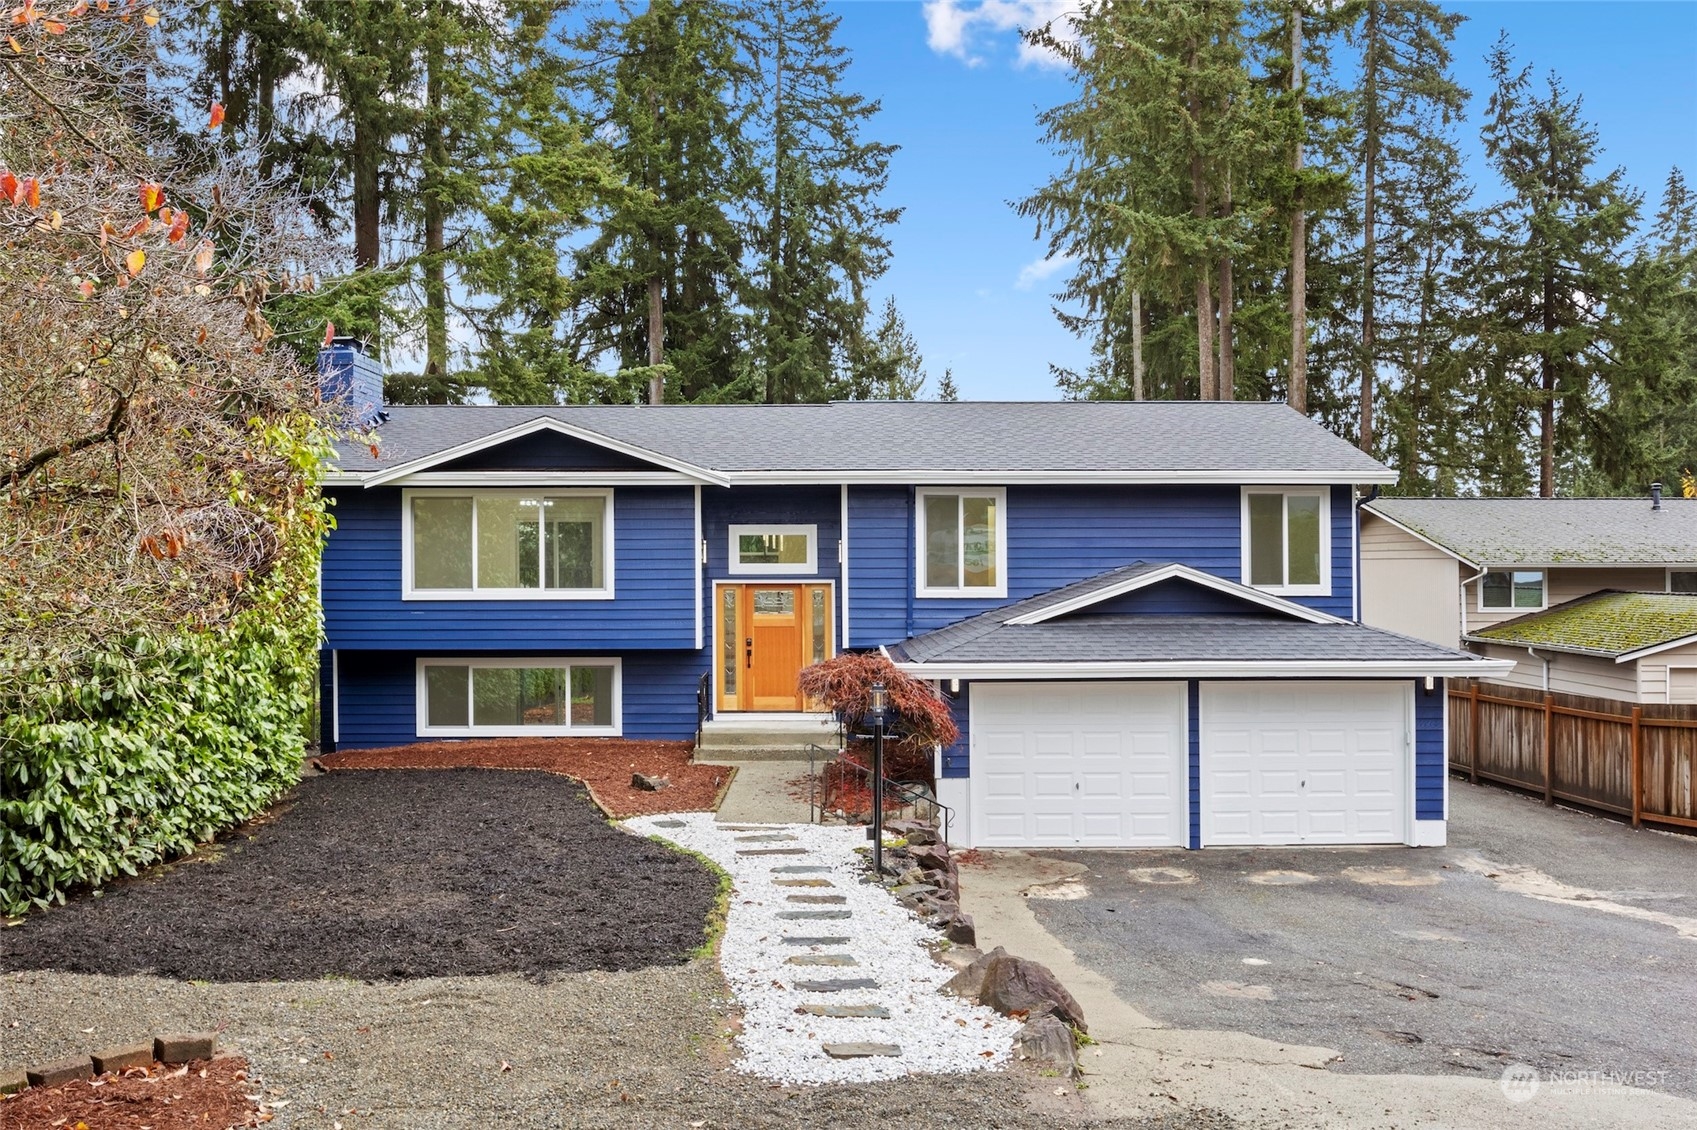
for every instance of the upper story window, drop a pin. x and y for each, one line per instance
(1682, 580)
(962, 542)
(1287, 540)
(774, 549)
(508, 545)
(1516, 590)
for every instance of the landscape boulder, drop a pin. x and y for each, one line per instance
(1014, 986)
(969, 982)
(960, 930)
(649, 784)
(1046, 1040)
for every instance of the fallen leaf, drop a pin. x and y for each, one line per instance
(135, 261)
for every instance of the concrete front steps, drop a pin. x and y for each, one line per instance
(733, 738)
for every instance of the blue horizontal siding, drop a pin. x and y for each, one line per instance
(653, 574)
(957, 757)
(1058, 535)
(1429, 753)
(548, 451)
(379, 695)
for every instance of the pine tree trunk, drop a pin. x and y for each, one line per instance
(656, 336)
(1208, 385)
(776, 326)
(1546, 360)
(1228, 340)
(1136, 345)
(435, 268)
(1369, 209)
(1297, 393)
(367, 205)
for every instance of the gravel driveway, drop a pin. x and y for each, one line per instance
(1544, 937)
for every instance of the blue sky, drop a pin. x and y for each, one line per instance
(961, 99)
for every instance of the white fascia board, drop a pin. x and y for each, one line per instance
(1653, 649)
(1062, 476)
(1179, 572)
(1418, 536)
(545, 424)
(1214, 669)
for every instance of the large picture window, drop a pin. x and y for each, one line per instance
(962, 542)
(508, 545)
(1287, 542)
(516, 697)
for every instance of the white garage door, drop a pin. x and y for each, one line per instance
(1078, 764)
(1304, 763)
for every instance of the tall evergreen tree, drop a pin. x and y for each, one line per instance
(660, 286)
(890, 366)
(1549, 276)
(818, 224)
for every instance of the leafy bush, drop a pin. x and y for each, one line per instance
(142, 747)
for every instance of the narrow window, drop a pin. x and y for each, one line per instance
(1682, 580)
(1503, 590)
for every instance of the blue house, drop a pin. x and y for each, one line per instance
(1144, 615)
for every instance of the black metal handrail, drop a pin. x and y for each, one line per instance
(908, 794)
(703, 702)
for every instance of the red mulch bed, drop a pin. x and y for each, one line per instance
(194, 1097)
(604, 765)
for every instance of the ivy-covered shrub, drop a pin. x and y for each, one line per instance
(138, 749)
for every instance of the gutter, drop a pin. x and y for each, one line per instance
(1483, 569)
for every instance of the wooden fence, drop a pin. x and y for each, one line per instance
(1635, 760)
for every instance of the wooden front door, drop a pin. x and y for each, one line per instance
(767, 634)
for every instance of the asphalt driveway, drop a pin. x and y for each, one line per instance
(1542, 937)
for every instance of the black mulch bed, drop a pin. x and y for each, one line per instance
(389, 875)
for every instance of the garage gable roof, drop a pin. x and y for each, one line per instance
(1054, 635)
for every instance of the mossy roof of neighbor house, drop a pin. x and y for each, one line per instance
(1551, 531)
(1608, 624)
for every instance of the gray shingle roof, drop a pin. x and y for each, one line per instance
(1258, 440)
(1552, 531)
(1083, 638)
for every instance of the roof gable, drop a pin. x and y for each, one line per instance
(482, 444)
(1611, 625)
(1180, 588)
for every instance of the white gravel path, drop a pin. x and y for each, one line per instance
(937, 1034)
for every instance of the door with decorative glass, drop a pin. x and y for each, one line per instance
(765, 635)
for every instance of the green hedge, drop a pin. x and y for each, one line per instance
(151, 745)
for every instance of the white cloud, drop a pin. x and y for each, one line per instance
(1039, 270)
(956, 28)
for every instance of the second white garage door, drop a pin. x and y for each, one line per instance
(1304, 763)
(1079, 764)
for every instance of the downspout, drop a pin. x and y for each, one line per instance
(1546, 663)
(1482, 571)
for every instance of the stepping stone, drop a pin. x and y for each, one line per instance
(860, 1051)
(800, 869)
(670, 824)
(818, 900)
(835, 986)
(802, 883)
(771, 851)
(769, 838)
(742, 828)
(837, 959)
(848, 1011)
(795, 914)
(822, 941)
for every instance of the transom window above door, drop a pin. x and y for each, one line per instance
(1287, 540)
(771, 550)
(961, 542)
(1519, 590)
(508, 545)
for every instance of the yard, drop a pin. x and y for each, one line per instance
(407, 949)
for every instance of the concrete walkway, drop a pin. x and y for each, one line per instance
(1141, 1068)
(760, 793)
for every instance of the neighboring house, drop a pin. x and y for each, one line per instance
(1142, 614)
(1637, 647)
(1442, 569)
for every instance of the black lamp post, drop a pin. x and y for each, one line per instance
(878, 711)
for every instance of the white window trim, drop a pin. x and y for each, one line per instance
(1324, 494)
(408, 592)
(1667, 679)
(808, 568)
(1667, 575)
(425, 730)
(920, 588)
(1543, 590)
